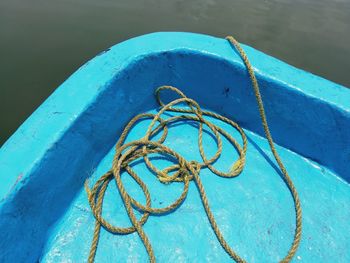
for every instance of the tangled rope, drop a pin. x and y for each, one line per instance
(181, 171)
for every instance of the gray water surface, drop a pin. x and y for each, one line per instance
(42, 42)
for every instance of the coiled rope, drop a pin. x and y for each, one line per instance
(181, 171)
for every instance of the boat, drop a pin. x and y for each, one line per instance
(45, 215)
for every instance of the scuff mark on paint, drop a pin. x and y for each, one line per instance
(104, 51)
(19, 177)
(226, 92)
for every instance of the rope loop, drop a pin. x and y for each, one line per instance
(181, 170)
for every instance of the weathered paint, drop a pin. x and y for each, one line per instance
(43, 211)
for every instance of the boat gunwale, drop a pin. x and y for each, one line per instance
(151, 44)
(26, 152)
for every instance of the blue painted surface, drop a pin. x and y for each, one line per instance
(43, 165)
(255, 211)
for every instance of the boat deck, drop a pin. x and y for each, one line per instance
(254, 210)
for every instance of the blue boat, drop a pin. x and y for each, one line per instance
(45, 215)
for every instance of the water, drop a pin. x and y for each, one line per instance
(42, 42)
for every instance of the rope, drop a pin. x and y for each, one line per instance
(182, 170)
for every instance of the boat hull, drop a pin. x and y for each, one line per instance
(44, 212)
